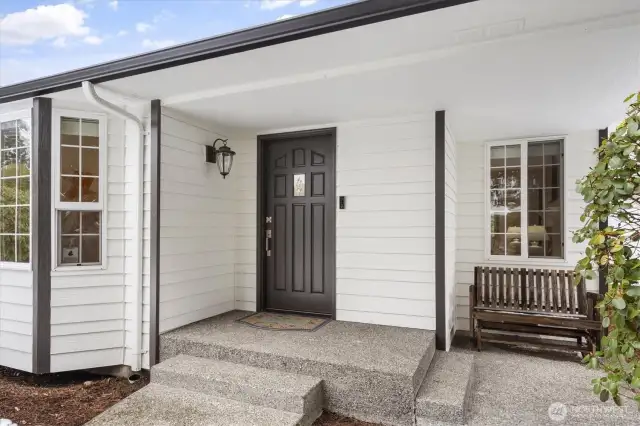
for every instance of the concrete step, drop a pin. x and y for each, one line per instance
(159, 405)
(445, 395)
(370, 372)
(268, 388)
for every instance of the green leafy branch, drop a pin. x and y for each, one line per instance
(611, 191)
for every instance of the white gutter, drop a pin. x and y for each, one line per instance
(92, 96)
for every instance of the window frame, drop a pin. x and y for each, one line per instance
(23, 266)
(80, 206)
(524, 205)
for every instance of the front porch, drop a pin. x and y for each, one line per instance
(370, 372)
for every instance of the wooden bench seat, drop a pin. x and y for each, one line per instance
(535, 302)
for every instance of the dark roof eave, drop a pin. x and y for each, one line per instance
(323, 22)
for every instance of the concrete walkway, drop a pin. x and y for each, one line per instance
(518, 388)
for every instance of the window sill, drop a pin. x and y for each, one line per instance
(11, 266)
(62, 271)
(528, 262)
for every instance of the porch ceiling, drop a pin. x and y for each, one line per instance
(501, 68)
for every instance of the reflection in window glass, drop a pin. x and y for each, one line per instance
(79, 160)
(542, 190)
(79, 237)
(505, 183)
(15, 190)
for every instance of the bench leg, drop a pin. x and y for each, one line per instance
(478, 334)
(472, 329)
(579, 340)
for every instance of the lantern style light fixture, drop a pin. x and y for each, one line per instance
(222, 156)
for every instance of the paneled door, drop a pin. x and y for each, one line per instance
(299, 222)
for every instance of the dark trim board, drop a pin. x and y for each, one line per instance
(602, 279)
(260, 211)
(155, 147)
(323, 22)
(41, 233)
(440, 261)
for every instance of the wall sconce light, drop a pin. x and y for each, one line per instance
(222, 156)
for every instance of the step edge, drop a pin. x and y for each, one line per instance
(273, 398)
(302, 392)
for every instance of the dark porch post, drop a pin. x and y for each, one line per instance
(41, 233)
(155, 147)
(602, 282)
(441, 323)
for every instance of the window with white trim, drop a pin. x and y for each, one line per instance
(15, 188)
(526, 192)
(80, 145)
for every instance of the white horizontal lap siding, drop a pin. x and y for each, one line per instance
(385, 236)
(16, 319)
(197, 218)
(88, 307)
(450, 192)
(244, 180)
(470, 229)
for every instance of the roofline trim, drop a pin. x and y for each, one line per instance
(323, 22)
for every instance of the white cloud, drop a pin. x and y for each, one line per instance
(142, 27)
(95, 40)
(43, 23)
(280, 18)
(157, 44)
(164, 15)
(60, 42)
(113, 4)
(274, 4)
(122, 33)
(305, 3)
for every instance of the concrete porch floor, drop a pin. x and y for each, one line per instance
(385, 349)
(370, 372)
(517, 387)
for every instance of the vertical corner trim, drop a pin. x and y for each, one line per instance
(440, 263)
(41, 233)
(155, 147)
(602, 279)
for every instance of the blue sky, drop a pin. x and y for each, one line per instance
(39, 38)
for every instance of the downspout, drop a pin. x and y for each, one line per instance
(92, 96)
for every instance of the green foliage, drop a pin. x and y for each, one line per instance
(612, 190)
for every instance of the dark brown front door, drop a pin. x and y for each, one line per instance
(299, 222)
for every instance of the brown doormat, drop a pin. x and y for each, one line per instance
(283, 322)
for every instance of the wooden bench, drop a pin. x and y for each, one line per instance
(536, 302)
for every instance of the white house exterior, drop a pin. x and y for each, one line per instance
(439, 112)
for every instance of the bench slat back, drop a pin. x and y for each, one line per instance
(523, 289)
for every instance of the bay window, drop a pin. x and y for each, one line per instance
(525, 199)
(80, 145)
(15, 188)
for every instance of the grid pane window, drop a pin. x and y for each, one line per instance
(80, 202)
(531, 186)
(15, 190)
(505, 200)
(79, 237)
(79, 160)
(544, 212)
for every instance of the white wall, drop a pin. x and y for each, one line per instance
(88, 307)
(450, 194)
(196, 226)
(470, 238)
(385, 237)
(244, 173)
(16, 319)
